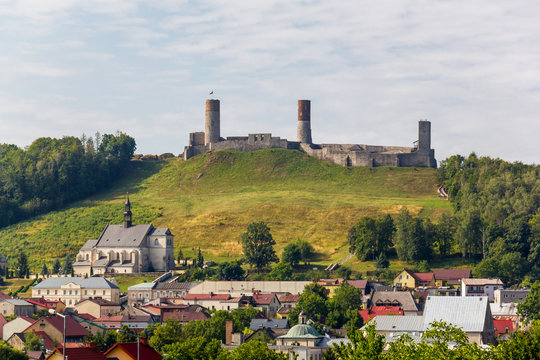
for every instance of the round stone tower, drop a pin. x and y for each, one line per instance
(211, 126)
(304, 121)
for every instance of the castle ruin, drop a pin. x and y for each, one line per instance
(421, 154)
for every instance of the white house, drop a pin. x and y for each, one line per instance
(480, 287)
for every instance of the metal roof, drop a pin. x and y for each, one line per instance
(17, 302)
(403, 298)
(142, 286)
(468, 312)
(398, 323)
(268, 323)
(89, 283)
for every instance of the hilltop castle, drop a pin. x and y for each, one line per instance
(420, 154)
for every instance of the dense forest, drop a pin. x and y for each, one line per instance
(496, 221)
(496, 212)
(52, 172)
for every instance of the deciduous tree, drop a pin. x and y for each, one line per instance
(258, 245)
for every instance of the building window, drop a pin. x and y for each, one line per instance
(94, 292)
(64, 292)
(55, 292)
(146, 295)
(132, 295)
(47, 292)
(85, 292)
(39, 292)
(156, 242)
(103, 292)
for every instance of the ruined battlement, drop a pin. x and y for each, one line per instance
(420, 154)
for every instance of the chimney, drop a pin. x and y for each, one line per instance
(229, 328)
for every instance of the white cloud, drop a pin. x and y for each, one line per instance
(372, 69)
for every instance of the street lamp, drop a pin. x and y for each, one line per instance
(54, 312)
(138, 340)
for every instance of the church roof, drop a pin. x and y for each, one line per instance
(89, 244)
(302, 331)
(119, 236)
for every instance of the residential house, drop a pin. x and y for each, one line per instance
(19, 324)
(392, 327)
(471, 314)
(18, 340)
(140, 293)
(363, 286)
(110, 322)
(53, 326)
(283, 312)
(268, 304)
(480, 287)
(183, 317)
(403, 299)
(4, 296)
(16, 307)
(136, 321)
(411, 280)
(331, 285)
(210, 301)
(71, 290)
(171, 289)
(450, 277)
(129, 351)
(97, 307)
(502, 296)
(35, 355)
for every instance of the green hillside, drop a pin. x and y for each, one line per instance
(208, 201)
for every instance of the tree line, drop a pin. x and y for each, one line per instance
(52, 172)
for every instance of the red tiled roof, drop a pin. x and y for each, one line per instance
(73, 328)
(503, 326)
(49, 343)
(100, 302)
(87, 316)
(4, 296)
(359, 284)
(113, 318)
(145, 351)
(451, 274)
(263, 299)
(185, 316)
(215, 297)
(425, 277)
(289, 298)
(80, 353)
(380, 310)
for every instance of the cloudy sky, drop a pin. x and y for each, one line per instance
(371, 68)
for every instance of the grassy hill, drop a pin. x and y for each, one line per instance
(209, 200)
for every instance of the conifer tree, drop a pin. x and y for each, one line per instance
(56, 266)
(44, 269)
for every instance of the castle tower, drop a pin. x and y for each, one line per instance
(304, 121)
(127, 213)
(424, 136)
(211, 126)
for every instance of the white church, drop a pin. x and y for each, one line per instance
(127, 248)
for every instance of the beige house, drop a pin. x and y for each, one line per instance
(16, 307)
(127, 248)
(17, 325)
(97, 307)
(71, 290)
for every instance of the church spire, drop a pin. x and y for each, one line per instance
(127, 212)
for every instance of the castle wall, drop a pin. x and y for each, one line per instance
(251, 143)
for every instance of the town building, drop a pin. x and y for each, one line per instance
(97, 307)
(71, 290)
(53, 326)
(502, 296)
(450, 277)
(127, 248)
(411, 280)
(402, 299)
(17, 325)
(480, 287)
(16, 307)
(129, 351)
(238, 288)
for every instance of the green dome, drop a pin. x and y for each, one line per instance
(302, 331)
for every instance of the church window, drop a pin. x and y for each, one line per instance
(156, 242)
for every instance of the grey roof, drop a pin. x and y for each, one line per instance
(17, 302)
(175, 285)
(506, 309)
(119, 236)
(142, 286)
(468, 312)
(398, 323)
(404, 298)
(81, 263)
(89, 283)
(161, 231)
(268, 323)
(89, 244)
(101, 262)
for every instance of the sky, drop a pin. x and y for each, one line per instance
(371, 69)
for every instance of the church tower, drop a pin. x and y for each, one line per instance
(127, 213)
